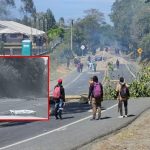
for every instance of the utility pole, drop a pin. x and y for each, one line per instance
(31, 39)
(71, 35)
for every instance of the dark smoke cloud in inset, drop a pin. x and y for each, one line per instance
(23, 77)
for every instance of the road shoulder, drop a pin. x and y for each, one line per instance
(134, 136)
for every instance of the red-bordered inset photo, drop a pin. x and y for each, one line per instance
(24, 88)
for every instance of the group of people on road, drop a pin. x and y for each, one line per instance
(79, 67)
(92, 65)
(95, 97)
(78, 64)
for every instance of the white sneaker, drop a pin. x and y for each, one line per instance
(61, 109)
(125, 116)
(120, 116)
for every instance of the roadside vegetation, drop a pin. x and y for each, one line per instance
(140, 87)
(130, 31)
(131, 24)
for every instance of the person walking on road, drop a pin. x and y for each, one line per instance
(96, 97)
(90, 82)
(117, 64)
(78, 67)
(123, 95)
(81, 67)
(94, 66)
(59, 98)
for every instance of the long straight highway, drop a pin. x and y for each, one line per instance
(76, 128)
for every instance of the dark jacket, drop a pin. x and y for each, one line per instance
(91, 88)
(62, 92)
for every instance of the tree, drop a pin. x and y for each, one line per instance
(145, 45)
(131, 23)
(121, 16)
(55, 33)
(29, 10)
(107, 36)
(28, 6)
(147, 1)
(90, 31)
(50, 19)
(34, 16)
(91, 28)
(61, 22)
(5, 6)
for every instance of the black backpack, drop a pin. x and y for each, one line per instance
(124, 91)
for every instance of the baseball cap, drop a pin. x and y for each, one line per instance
(59, 80)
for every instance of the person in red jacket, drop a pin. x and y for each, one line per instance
(59, 98)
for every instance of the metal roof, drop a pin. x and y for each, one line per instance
(19, 28)
(7, 30)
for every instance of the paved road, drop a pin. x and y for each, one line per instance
(75, 129)
(125, 71)
(77, 83)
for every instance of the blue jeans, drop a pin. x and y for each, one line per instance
(59, 108)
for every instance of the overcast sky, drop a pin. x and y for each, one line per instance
(72, 9)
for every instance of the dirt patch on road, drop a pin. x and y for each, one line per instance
(134, 137)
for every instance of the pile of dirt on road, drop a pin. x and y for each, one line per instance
(134, 137)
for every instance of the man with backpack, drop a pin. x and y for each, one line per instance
(59, 98)
(96, 96)
(123, 95)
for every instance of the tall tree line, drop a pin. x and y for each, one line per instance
(91, 31)
(131, 24)
(41, 20)
(4, 7)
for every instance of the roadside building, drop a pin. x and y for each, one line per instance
(12, 34)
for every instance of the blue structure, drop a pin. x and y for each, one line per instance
(26, 48)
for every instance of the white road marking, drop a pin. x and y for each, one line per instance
(65, 86)
(62, 129)
(93, 72)
(130, 71)
(11, 100)
(128, 68)
(90, 110)
(73, 80)
(52, 131)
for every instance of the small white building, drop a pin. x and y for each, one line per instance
(13, 32)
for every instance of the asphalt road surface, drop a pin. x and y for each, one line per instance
(76, 128)
(39, 105)
(73, 131)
